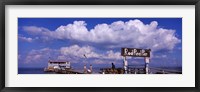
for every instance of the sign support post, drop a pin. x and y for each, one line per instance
(125, 65)
(147, 64)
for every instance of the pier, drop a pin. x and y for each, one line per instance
(68, 72)
(64, 67)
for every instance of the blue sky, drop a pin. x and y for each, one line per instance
(100, 39)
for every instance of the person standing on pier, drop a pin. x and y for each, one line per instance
(85, 69)
(113, 66)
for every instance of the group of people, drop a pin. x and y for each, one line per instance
(87, 71)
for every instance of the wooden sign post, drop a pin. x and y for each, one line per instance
(136, 53)
(125, 65)
(147, 59)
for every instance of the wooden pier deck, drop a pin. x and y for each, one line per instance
(68, 72)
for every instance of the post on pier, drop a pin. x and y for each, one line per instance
(147, 59)
(125, 65)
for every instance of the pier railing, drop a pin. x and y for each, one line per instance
(164, 71)
(152, 70)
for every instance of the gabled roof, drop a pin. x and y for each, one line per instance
(58, 61)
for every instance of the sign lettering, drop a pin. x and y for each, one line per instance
(135, 52)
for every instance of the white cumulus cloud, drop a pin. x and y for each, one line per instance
(36, 30)
(78, 51)
(72, 53)
(132, 33)
(38, 55)
(89, 52)
(25, 39)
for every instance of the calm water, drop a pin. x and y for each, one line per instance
(31, 71)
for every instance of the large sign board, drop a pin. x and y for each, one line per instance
(135, 52)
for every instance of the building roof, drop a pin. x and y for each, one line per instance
(58, 61)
